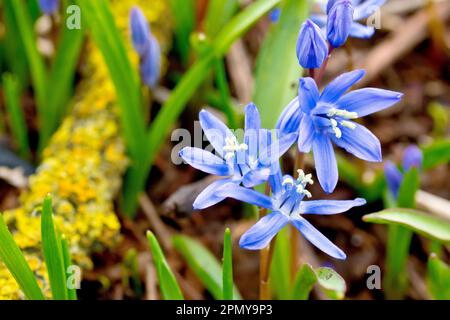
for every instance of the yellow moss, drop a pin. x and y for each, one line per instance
(83, 164)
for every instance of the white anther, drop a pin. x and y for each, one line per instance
(336, 130)
(302, 190)
(304, 178)
(288, 180)
(348, 124)
(229, 155)
(342, 113)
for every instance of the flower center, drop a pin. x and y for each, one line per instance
(335, 119)
(232, 146)
(294, 191)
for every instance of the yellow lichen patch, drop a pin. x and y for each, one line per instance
(83, 164)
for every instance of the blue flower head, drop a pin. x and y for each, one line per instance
(340, 18)
(288, 206)
(250, 162)
(323, 118)
(146, 46)
(361, 10)
(312, 48)
(412, 158)
(48, 6)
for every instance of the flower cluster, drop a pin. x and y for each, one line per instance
(82, 167)
(315, 120)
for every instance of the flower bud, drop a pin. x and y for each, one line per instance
(311, 46)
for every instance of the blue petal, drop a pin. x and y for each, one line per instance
(412, 157)
(256, 177)
(325, 160)
(368, 100)
(327, 207)
(360, 142)
(275, 181)
(260, 234)
(215, 130)
(306, 134)
(318, 239)
(277, 148)
(253, 130)
(151, 63)
(48, 6)
(336, 88)
(140, 30)
(308, 94)
(247, 195)
(312, 48)
(290, 118)
(330, 5)
(340, 18)
(360, 31)
(210, 195)
(393, 177)
(367, 9)
(252, 119)
(205, 161)
(319, 19)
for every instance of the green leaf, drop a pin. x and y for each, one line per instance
(168, 284)
(183, 92)
(438, 278)
(408, 188)
(280, 273)
(332, 283)
(218, 14)
(222, 84)
(71, 292)
(14, 260)
(204, 264)
(100, 22)
(437, 153)
(277, 58)
(227, 266)
(422, 223)
(184, 15)
(304, 282)
(16, 117)
(53, 255)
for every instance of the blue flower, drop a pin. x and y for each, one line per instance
(312, 48)
(339, 22)
(287, 206)
(362, 10)
(48, 6)
(146, 46)
(321, 119)
(275, 15)
(250, 162)
(412, 157)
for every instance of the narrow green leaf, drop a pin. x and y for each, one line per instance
(184, 91)
(14, 260)
(304, 282)
(438, 278)
(422, 223)
(222, 84)
(280, 270)
(184, 16)
(71, 292)
(218, 14)
(408, 188)
(437, 153)
(203, 263)
(53, 255)
(168, 284)
(16, 116)
(332, 283)
(278, 57)
(227, 266)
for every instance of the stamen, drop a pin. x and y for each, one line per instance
(288, 180)
(302, 190)
(336, 130)
(304, 179)
(232, 146)
(342, 113)
(348, 124)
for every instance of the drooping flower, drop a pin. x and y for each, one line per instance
(147, 47)
(250, 162)
(287, 206)
(48, 6)
(362, 10)
(323, 118)
(412, 158)
(312, 47)
(339, 22)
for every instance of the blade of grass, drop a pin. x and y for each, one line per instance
(51, 245)
(184, 16)
(218, 14)
(14, 260)
(184, 91)
(71, 292)
(204, 264)
(15, 113)
(438, 278)
(227, 266)
(168, 284)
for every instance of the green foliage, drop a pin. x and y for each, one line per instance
(168, 284)
(53, 252)
(15, 113)
(227, 276)
(436, 153)
(440, 116)
(71, 292)
(218, 14)
(280, 269)
(422, 223)
(304, 282)
(203, 263)
(14, 260)
(277, 71)
(438, 278)
(184, 16)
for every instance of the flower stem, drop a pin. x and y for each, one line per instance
(265, 260)
(321, 72)
(295, 248)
